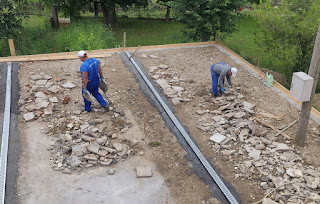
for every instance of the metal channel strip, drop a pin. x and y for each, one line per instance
(196, 150)
(5, 136)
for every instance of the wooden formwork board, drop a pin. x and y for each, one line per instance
(93, 53)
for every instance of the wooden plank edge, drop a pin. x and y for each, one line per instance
(100, 52)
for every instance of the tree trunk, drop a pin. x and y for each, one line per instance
(168, 13)
(307, 105)
(96, 9)
(105, 14)
(113, 20)
(54, 17)
(204, 38)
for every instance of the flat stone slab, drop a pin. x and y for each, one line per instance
(169, 91)
(217, 138)
(28, 116)
(53, 100)
(178, 88)
(68, 85)
(54, 89)
(41, 83)
(152, 68)
(163, 83)
(36, 77)
(163, 66)
(40, 94)
(144, 172)
(153, 56)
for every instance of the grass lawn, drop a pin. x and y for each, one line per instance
(243, 42)
(148, 32)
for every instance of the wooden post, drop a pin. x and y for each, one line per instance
(11, 45)
(216, 38)
(124, 39)
(304, 117)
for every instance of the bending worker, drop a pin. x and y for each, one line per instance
(218, 72)
(91, 74)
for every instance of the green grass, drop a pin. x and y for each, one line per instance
(149, 32)
(37, 37)
(243, 42)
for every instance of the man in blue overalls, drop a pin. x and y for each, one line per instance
(218, 72)
(91, 74)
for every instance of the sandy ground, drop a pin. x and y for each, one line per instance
(173, 180)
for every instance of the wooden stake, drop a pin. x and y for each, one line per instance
(216, 38)
(124, 39)
(273, 128)
(134, 52)
(284, 129)
(11, 45)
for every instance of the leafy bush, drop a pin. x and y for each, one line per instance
(84, 35)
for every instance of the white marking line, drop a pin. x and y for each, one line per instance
(5, 136)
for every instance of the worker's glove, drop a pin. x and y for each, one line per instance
(101, 78)
(85, 91)
(222, 90)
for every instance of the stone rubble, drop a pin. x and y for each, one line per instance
(171, 88)
(257, 154)
(80, 142)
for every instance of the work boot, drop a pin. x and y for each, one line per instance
(106, 108)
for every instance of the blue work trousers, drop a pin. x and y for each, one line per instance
(93, 88)
(215, 78)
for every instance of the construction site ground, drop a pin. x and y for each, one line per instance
(173, 179)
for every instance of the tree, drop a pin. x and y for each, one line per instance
(307, 105)
(165, 2)
(289, 31)
(109, 11)
(9, 22)
(203, 18)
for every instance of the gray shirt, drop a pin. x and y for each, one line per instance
(222, 71)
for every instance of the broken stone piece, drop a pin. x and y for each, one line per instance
(73, 161)
(163, 66)
(90, 157)
(68, 85)
(152, 56)
(28, 116)
(218, 138)
(143, 172)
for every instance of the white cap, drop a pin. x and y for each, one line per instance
(234, 71)
(82, 53)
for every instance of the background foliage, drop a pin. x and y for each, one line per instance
(203, 18)
(288, 32)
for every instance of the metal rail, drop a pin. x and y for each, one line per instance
(195, 149)
(5, 135)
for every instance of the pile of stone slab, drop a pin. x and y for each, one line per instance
(41, 97)
(82, 140)
(82, 144)
(171, 88)
(257, 153)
